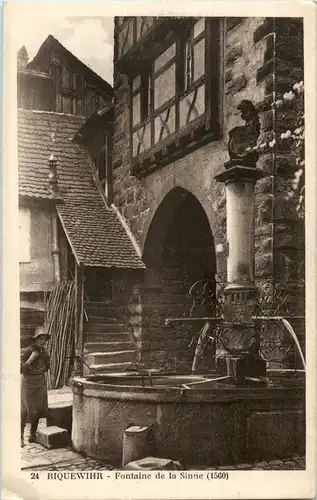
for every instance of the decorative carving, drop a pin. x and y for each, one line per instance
(237, 313)
(237, 339)
(243, 139)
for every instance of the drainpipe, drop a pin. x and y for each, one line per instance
(79, 319)
(55, 247)
(53, 186)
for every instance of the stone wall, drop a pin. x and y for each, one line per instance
(257, 61)
(37, 274)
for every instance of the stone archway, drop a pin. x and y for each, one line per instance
(178, 251)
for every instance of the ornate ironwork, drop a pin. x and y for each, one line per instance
(208, 299)
(274, 343)
(279, 299)
(274, 300)
(267, 338)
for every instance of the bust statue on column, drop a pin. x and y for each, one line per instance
(243, 139)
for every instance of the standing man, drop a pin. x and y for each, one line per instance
(34, 365)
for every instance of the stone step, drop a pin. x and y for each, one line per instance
(52, 437)
(107, 337)
(103, 307)
(174, 288)
(32, 314)
(175, 310)
(109, 367)
(28, 330)
(108, 346)
(104, 327)
(99, 318)
(101, 358)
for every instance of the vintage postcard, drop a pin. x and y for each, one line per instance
(159, 250)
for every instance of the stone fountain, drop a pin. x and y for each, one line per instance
(209, 418)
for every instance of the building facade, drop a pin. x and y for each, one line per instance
(55, 80)
(69, 233)
(178, 82)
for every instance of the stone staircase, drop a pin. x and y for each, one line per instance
(108, 346)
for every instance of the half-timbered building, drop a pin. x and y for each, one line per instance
(71, 237)
(73, 87)
(178, 83)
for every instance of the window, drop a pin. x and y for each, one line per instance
(24, 235)
(192, 54)
(142, 96)
(178, 92)
(188, 63)
(154, 86)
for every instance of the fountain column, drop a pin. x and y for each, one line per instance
(239, 335)
(240, 340)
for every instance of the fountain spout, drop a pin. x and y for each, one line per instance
(295, 338)
(203, 337)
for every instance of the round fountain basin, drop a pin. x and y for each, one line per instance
(197, 419)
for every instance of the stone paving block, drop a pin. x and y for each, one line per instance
(243, 466)
(52, 437)
(64, 455)
(36, 462)
(289, 464)
(261, 464)
(274, 463)
(150, 463)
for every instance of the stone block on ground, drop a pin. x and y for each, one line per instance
(135, 443)
(60, 406)
(151, 463)
(52, 437)
(60, 416)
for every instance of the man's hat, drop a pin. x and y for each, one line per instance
(40, 331)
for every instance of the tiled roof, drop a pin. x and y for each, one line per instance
(94, 231)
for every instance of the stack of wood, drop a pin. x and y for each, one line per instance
(60, 322)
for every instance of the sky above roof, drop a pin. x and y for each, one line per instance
(90, 39)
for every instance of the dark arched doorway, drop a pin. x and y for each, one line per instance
(178, 251)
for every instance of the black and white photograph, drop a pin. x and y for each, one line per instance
(162, 264)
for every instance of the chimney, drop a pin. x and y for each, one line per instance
(23, 57)
(52, 176)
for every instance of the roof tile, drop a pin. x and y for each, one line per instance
(96, 234)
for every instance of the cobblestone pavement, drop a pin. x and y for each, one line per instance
(36, 457)
(294, 463)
